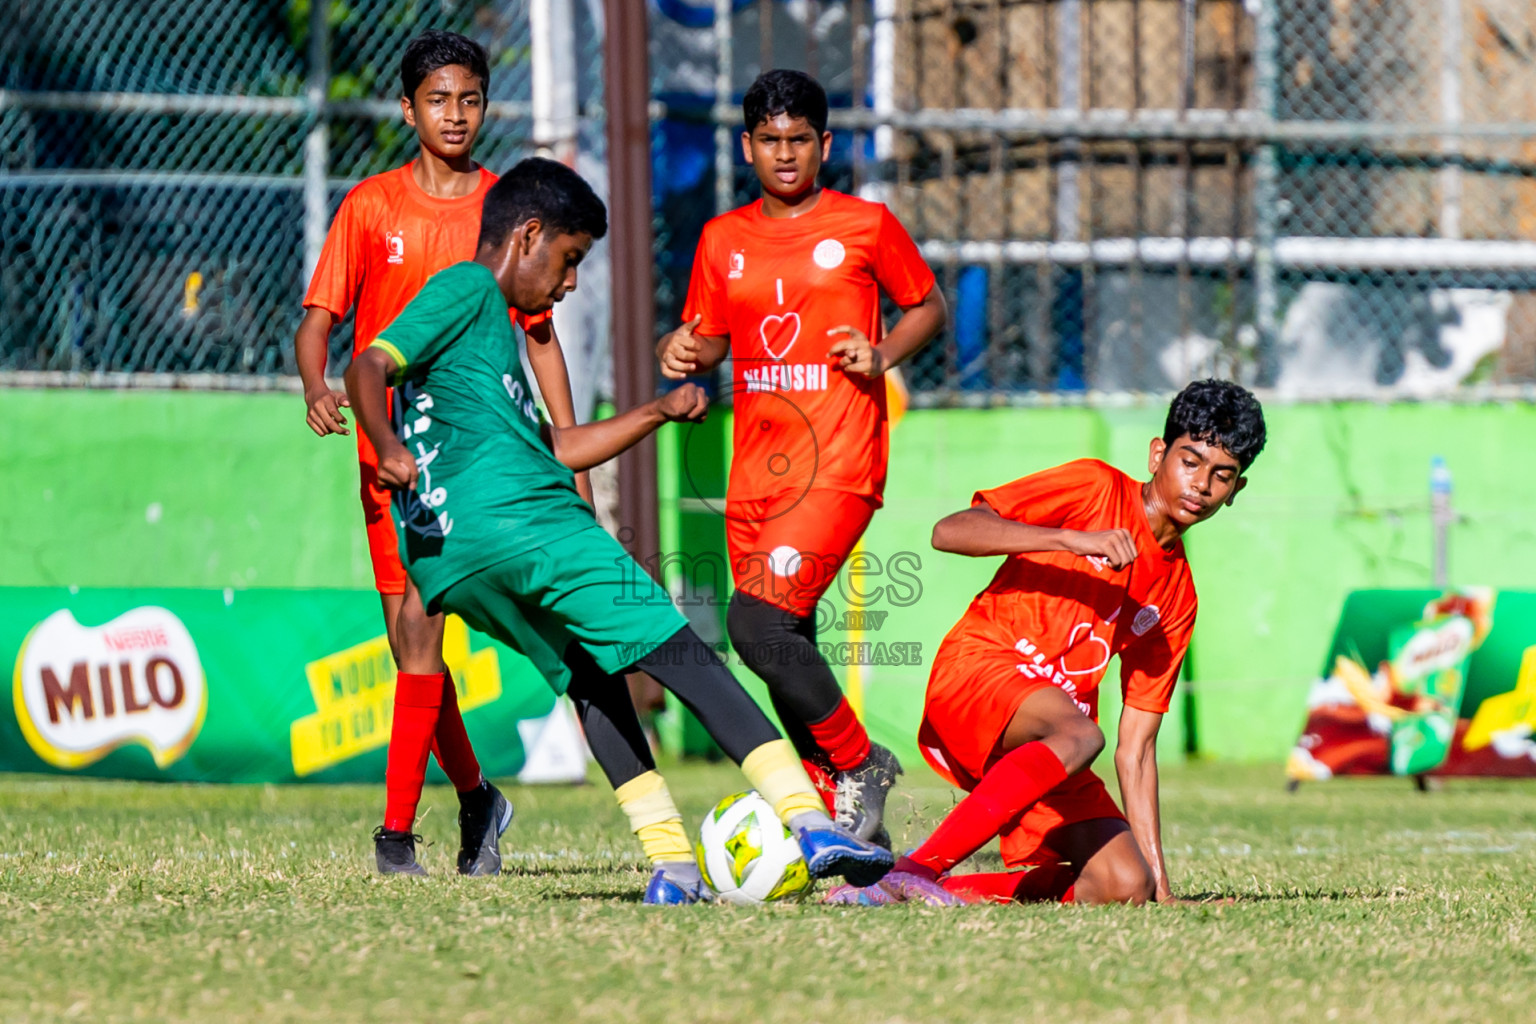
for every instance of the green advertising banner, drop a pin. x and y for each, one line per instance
(241, 686)
(1423, 682)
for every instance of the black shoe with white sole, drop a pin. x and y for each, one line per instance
(861, 793)
(395, 852)
(484, 815)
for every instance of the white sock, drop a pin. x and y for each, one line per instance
(810, 819)
(683, 872)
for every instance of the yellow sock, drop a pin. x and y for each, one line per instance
(654, 818)
(775, 771)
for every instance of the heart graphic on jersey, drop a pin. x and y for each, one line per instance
(1072, 642)
(785, 330)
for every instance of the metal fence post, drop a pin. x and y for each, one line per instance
(1069, 97)
(317, 204)
(882, 78)
(626, 92)
(552, 46)
(725, 184)
(1450, 112)
(1266, 186)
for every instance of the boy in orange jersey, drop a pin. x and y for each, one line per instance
(790, 287)
(393, 232)
(1095, 568)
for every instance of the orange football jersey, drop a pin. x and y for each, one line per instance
(776, 287)
(388, 237)
(1060, 617)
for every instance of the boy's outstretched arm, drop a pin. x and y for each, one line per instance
(1136, 767)
(367, 385)
(547, 360)
(311, 349)
(980, 532)
(592, 444)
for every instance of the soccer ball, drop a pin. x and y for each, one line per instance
(747, 855)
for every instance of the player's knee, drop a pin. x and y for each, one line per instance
(1077, 744)
(1121, 880)
(418, 638)
(756, 629)
(738, 621)
(1129, 882)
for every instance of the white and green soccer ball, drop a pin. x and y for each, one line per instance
(747, 855)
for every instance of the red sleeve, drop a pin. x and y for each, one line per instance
(1149, 667)
(1046, 498)
(706, 290)
(339, 274)
(527, 320)
(899, 267)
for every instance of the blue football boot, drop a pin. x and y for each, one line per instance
(836, 851)
(664, 891)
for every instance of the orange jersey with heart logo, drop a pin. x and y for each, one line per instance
(776, 287)
(1055, 618)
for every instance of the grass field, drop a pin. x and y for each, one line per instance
(1354, 901)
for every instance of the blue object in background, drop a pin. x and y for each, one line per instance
(971, 328)
(695, 15)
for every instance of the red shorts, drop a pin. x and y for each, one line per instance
(787, 550)
(973, 693)
(378, 515)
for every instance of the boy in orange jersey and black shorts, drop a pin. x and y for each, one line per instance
(790, 287)
(1095, 569)
(393, 232)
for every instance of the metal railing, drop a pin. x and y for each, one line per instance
(1319, 199)
(167, 176)
(1314, 197)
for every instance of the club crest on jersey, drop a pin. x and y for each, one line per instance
(1145, 619)
(829, 254)
(738, 264)
(394, 244)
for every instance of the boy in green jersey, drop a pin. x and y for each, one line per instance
(493, 530)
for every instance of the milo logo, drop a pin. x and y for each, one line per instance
(1435, 647)
(83, 691)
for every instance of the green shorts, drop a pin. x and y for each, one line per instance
(584, 588)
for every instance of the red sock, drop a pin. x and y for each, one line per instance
(992, 886)
(842, 737)
(1049, 883)
(417, 702)
(826, 787)
(451, 742)
(1007, 790)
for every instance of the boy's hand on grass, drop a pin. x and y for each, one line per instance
(397, 470)
(1115, 546)
(679, 351)
(688, 404)
(325, 408)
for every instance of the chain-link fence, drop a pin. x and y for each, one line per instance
(1319, 196)
(1324, 197)
(168, 170)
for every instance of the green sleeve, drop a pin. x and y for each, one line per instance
(430, 322)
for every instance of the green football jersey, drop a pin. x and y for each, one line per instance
(488, 486)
